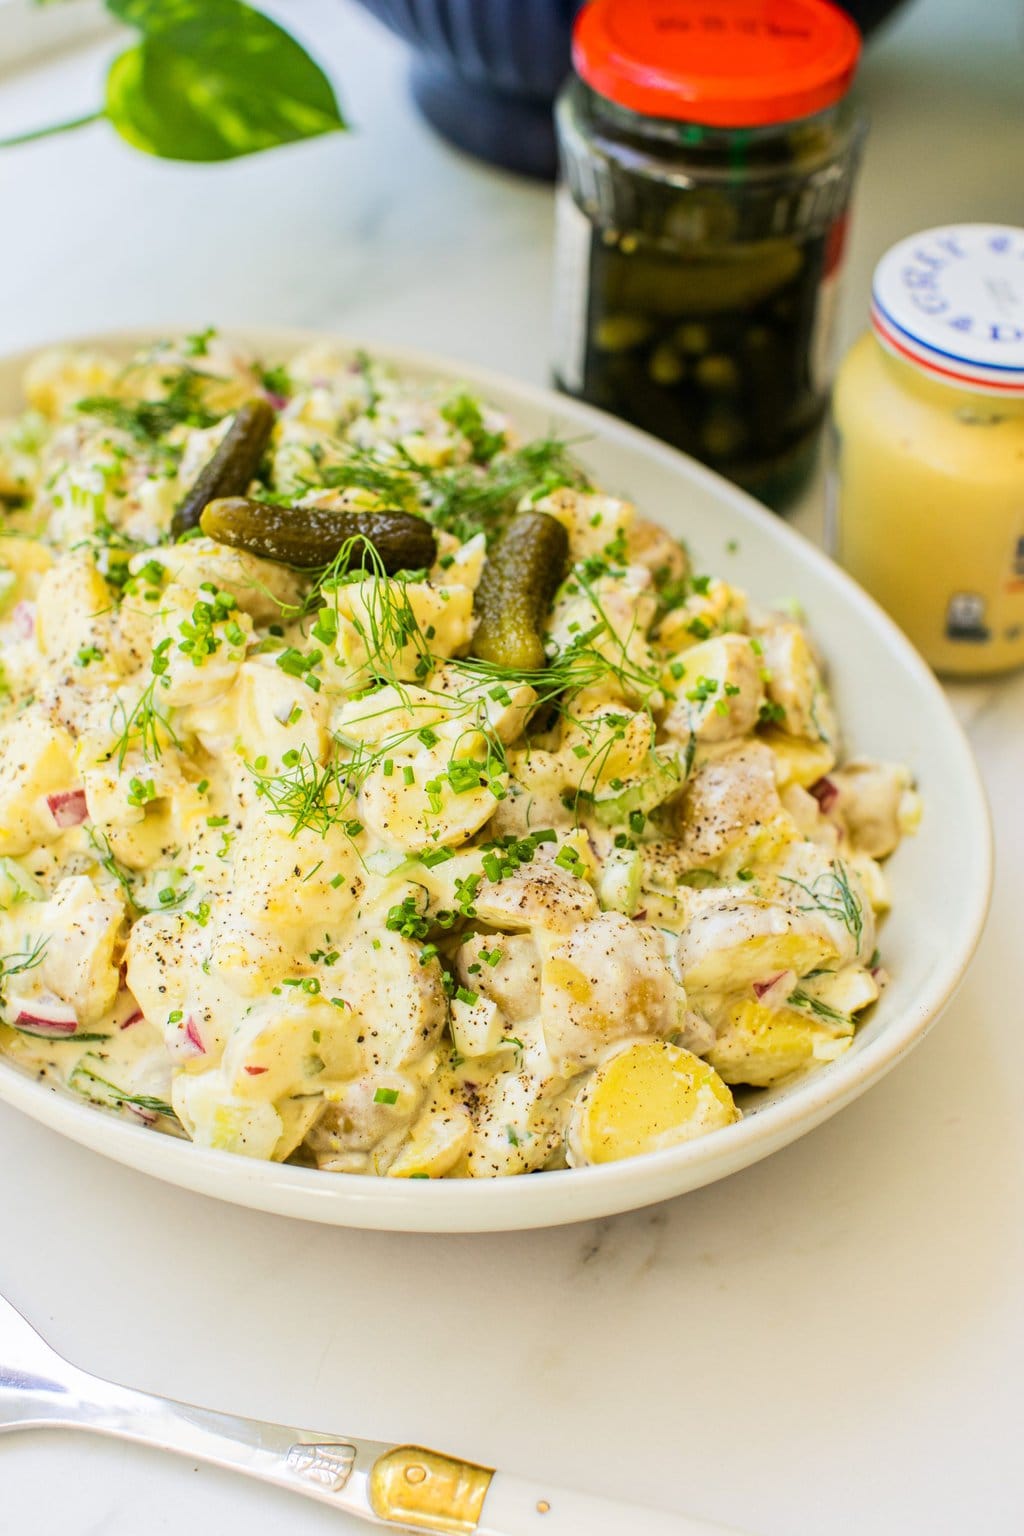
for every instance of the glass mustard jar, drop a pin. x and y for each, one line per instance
(928, 489)
(708, 150)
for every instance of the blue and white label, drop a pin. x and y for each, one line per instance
(953, 300)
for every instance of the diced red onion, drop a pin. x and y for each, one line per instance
(68, 807)
(774, 991)
(826, 792)
(147, 1116)
(192, 1034)
(762, 988)
(277, 401)
(54, 1019)
(23, 617)
(133, 1018)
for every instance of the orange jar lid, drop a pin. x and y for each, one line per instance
(723, 63)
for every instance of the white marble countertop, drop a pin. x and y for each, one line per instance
(831, 1342)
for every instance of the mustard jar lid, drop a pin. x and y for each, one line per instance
(951, 301)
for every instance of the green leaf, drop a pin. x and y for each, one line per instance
(214, 79)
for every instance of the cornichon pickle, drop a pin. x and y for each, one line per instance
(520, 578)
(656, 283)
(308, 537)
(232, 466)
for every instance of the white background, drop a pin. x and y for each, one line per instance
(828, 1343)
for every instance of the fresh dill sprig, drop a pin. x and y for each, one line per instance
(143, 726)
(145, 1101)
(832, 894)
(467, 499)
(107, 860)
(364, 366)
(801, 999)
(148, 420)
(463, 499)
(578, 666)
(307, 793)
(21, 960)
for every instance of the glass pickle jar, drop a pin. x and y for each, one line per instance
(927, 491)
(708, 150)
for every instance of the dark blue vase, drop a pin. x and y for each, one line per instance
(485, 72)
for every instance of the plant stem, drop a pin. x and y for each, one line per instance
(52, 128)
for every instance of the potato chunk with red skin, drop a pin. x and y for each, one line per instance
(80, 929)
(36, 761)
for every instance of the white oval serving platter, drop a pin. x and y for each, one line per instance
(890, 706)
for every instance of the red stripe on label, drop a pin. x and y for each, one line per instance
(989, 386)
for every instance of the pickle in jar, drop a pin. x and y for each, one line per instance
(686, 231)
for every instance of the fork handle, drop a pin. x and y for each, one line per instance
(331, 1468)
(405, 1488)
(515, 1507)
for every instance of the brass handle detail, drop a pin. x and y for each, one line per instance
(431, 1492)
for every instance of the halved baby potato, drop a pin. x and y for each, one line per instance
(650, 1096)
(797, 760)
(728, 947)
(764, 1046)
(410, 802)
(436, 1143)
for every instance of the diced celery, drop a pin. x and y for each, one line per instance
(16, 885)
(618, 888)
(664, 778)
(99, 1091)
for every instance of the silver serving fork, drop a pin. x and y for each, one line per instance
(404, 1488)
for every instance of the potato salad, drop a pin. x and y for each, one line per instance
(379, 794)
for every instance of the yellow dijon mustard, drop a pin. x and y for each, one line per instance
(928, 493)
